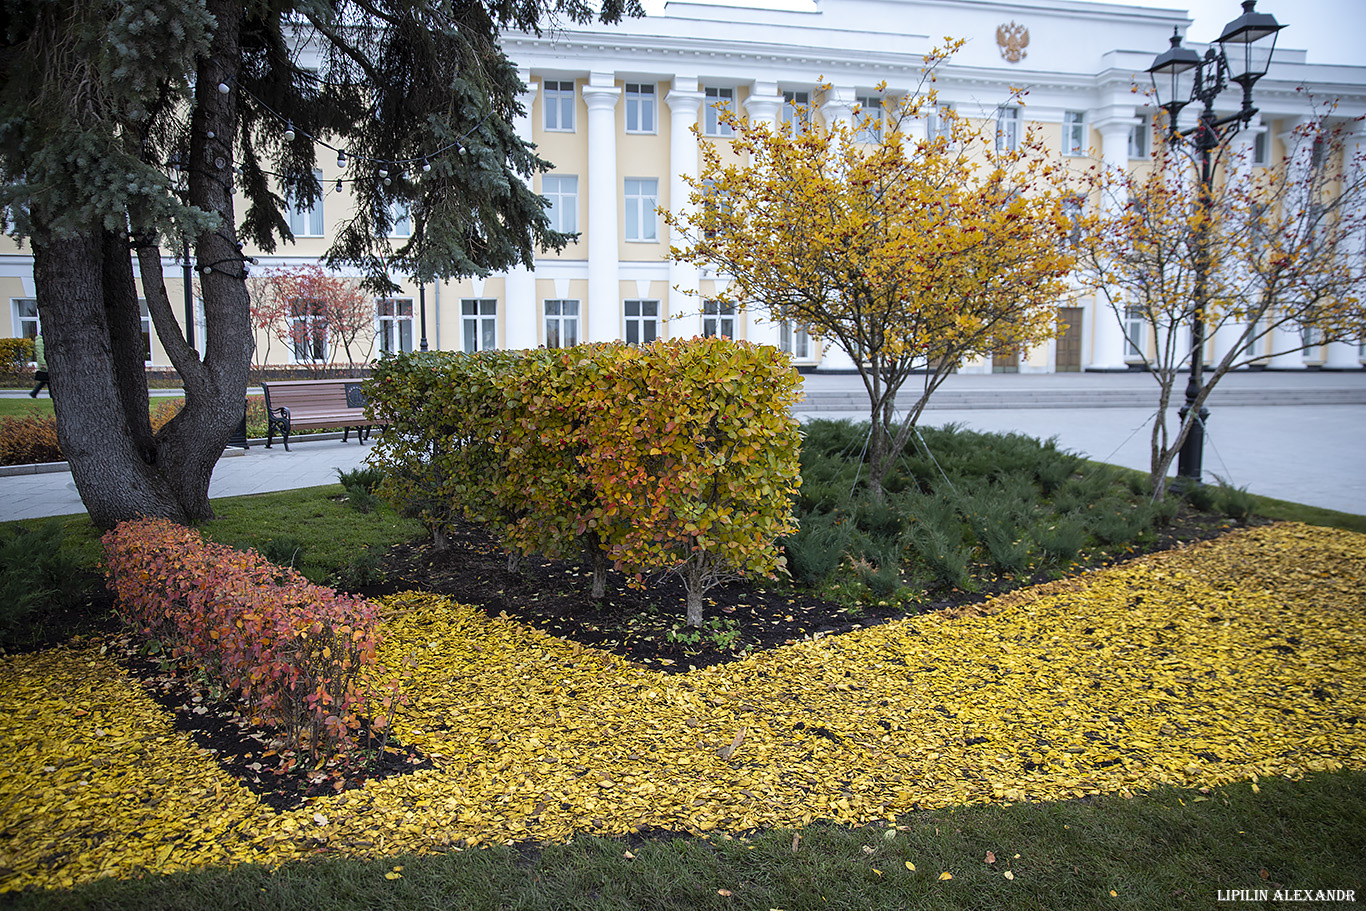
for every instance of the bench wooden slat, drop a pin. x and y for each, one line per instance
(314, 405)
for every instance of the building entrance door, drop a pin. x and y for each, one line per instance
(1068, 358)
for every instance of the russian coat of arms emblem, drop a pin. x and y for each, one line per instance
(1013, 39)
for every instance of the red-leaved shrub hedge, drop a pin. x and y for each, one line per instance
(29, 439)
(300, 656)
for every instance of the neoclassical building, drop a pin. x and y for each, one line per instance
(613, 108)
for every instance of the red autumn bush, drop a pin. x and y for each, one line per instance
(29, 439)
(300, 656)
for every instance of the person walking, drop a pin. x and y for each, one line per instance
(39, 375)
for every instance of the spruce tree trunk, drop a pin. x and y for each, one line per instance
(92, 323)
(108, 452)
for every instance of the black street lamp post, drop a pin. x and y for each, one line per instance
(1188, 78)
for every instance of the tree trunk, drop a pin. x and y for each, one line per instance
(110, 461)
(879, 459)
(599, 574)
(694, 607)
(88, 302)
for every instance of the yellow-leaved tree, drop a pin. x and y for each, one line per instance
(912, 254)
(1244, 263)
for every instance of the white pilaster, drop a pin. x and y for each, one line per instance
(1107, 330)
(520, 318)
(685, 300)
(1287, 337)
(604, 316)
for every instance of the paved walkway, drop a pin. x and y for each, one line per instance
(1266, 433)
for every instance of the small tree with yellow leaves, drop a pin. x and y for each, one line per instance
(912, 255)
(1275, 254)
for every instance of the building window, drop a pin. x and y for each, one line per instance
(306, 222)
(1074, 133)
(1259, 147)
(871, 115)
(1139, 134)
(479, 324)
(563, 193)
(642, 196)
(642, 322)
(717, 99)
(718, 318)
(939, 122)
(146, 316)
(558, 104)
(1134, 332)
(26, 317)
(395, 325)
(794, 341)
(1007, 129)
(308, 330)
(640, 107)
(400, 222)
(561, 323)
(797, 109)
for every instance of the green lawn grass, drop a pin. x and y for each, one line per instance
(13, 408)
(1166, 849)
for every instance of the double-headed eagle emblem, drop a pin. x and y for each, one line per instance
(1013, 40)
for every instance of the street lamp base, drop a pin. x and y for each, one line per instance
(1189, 463)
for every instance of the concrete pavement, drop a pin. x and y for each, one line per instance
(1295, 436)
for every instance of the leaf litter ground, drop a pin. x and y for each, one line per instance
(1229, 660)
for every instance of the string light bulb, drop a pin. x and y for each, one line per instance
(222, 88)
(341, 158)
(426, 166)
(289, 131)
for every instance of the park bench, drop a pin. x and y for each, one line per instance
(315, 405)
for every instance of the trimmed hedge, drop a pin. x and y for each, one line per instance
(678, 456)
(300, 656)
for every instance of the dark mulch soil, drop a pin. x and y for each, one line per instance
(646, 626)
(251, 753)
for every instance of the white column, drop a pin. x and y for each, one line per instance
(1239, 171)
(685, 299)
(604, 261)
(1286, 336)
(839, 107)
(520, 319)
(1347, 355)
(764, 103)
(1107, 330)
(762, 106)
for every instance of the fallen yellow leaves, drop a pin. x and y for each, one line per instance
(1233, 660)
